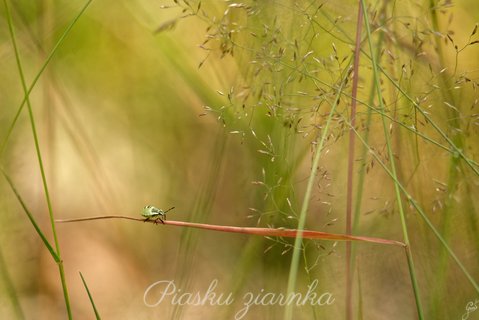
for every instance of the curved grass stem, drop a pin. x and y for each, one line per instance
(293, 273)
(402, 215)
(56, 252)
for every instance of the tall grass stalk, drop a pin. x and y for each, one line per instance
(454, 149)
(402, 215)
(284, 81)
(352, 144)
(57, 252)
(450, 147)
(423, 215)
(40, 163)
(362, 164)
(456, 153)
(293, 273)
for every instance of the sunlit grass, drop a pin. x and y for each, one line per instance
(239, 114)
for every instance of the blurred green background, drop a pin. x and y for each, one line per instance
(216, 107)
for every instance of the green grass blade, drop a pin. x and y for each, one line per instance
(457, 151)
(97, 315)
(40, 72)
(288, 314)
(423, 215)
(37, 147)
(40, 160)
(402, 215)
(9, 287)
(351, 147)
(31, 218)
(454, 148)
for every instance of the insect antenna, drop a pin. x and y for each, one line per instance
(169, 209)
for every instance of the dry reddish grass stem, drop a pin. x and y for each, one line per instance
(266, 232)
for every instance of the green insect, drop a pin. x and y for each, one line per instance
(152, 213)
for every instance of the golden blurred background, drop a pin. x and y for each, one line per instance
(216, 107)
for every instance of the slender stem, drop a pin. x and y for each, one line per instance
(40, 161)
(271, 232)
(288, 314)
(37, 147)
(97, 314)
(30, 217)
(40, 72)
(397, 191)
(352, 143)
(421, 213)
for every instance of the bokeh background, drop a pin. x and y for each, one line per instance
(215, 107)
